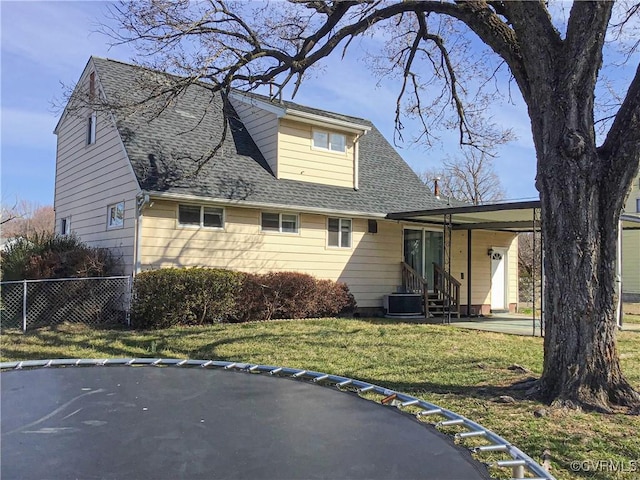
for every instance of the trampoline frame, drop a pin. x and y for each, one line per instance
(520, 462)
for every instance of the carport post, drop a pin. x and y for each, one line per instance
(619, 276)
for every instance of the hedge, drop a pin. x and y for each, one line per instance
(183, 296)
(55, 256)
(196, 296)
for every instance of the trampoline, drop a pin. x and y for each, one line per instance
(190, 419)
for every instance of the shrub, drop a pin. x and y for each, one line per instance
(333, 298)
(291, 295)
(183, 296)
(55, 256)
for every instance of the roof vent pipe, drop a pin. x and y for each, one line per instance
(436, 187)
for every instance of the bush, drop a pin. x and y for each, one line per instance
(183, 296)
(291, 295)
(55, 256)
(197, 296)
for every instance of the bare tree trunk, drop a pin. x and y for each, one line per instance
(581, 366)
(582, 191)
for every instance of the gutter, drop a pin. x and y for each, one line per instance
(260, 205)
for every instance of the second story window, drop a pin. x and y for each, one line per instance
(91, 128)
(336, 142)
(638, 205)
(65, 226)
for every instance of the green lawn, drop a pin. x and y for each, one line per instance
(463, 370)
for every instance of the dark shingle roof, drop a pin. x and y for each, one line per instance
(164, 150)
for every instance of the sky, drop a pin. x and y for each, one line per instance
(45, 44)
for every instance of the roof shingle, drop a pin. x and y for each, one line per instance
(164, 151)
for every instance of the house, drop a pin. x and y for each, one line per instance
(292, 188)
(631, 247)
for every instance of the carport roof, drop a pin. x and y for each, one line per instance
(514, 217)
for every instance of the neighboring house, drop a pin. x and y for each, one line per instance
(631, 247)
(292, 189)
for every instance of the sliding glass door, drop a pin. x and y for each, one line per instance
(423, 248)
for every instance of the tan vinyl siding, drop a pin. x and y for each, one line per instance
(634, 196)
(89, 178)
(482, 241)
(263, 128)
(631, 245)
(631, 262)
(371, 267)
(298, 160)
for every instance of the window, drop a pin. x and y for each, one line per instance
(279, 222)
(336, 142)
(200, 216)
(91, 128)
(637, 205)
(115, 215)
(339, 232)
(65, 226)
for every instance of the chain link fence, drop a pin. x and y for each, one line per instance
(30, 304)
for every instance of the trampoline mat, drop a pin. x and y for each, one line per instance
(151, 422)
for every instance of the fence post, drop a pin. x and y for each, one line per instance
(24, 306)
(128, 305)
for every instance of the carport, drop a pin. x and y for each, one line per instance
(513, 217)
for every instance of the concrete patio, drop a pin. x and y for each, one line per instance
(511, 323)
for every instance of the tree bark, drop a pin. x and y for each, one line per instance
(581, 363)
(581, 207)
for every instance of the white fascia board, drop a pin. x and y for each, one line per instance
(260, 205)
(293, 114)
(88, 66)
(256, 102)
(321, 120)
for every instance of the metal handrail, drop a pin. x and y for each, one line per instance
(519, 463)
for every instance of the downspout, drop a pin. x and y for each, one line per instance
(141, 201)
(356, 161)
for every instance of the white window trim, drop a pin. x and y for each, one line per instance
(92, 121)
(201, 225)
(280, 232)
(109, 207)
(67, 221)
(328, 149)
(340, 247)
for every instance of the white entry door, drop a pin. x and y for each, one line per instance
(498, 279)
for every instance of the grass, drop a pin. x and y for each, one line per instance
(632, 319)
(463, 370)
